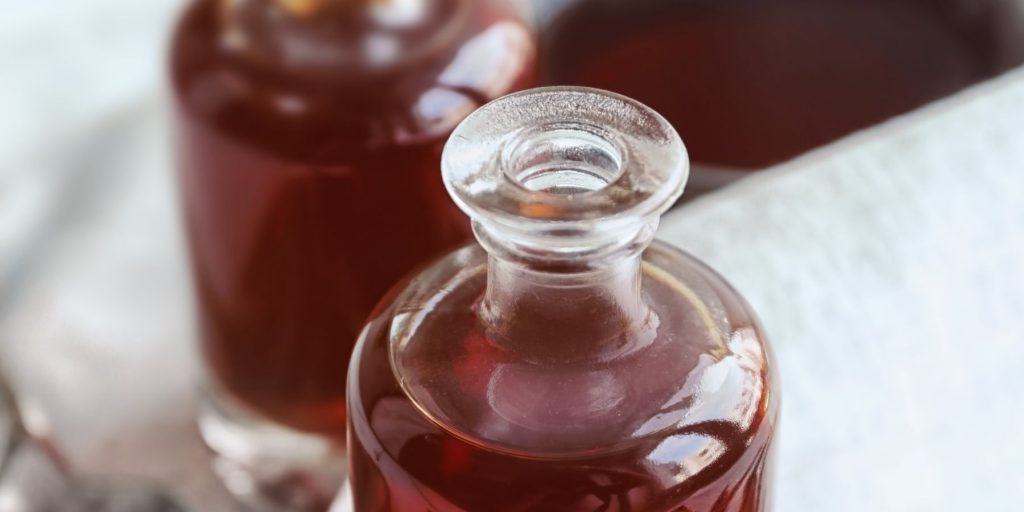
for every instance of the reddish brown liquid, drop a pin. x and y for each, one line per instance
(401, 460)
(749, 83)
(311, 183)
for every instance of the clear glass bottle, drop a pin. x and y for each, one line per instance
(308, 135)
(568, 362)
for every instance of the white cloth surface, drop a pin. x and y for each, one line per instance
(888, 270)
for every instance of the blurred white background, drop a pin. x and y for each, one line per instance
(95, 326)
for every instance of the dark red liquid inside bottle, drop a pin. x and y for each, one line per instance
(401, 460)
(309, 137)
(752, 83)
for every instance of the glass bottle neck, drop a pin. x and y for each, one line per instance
(565, 187)
(562, 316)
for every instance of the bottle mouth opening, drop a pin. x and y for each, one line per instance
(564, 159)
(564, 166)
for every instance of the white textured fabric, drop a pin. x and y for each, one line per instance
(888, 270)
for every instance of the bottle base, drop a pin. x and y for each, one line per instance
(267, 466)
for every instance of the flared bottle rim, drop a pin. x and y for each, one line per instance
(565, 158)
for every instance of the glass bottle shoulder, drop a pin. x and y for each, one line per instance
(345, 76)
(700, 383)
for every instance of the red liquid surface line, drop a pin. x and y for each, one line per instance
(306, 197)
(401, 460)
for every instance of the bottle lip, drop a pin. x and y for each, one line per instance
(552, 159)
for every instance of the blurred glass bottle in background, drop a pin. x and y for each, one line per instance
(566, 363)
(309, 135)
(751, 83)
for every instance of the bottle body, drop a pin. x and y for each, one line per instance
(566, 363)
(750, 84)
(308, 138)
(622, 434)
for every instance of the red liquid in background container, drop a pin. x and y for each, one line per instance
(752, 83)
(308, 142)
